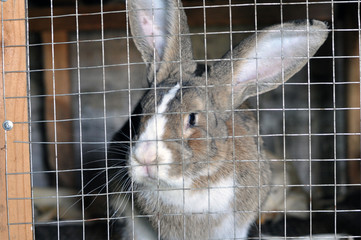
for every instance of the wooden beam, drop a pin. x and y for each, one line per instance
(114, 16)
(60, 156)
(353, 116)
(348, 13)
(15, 187)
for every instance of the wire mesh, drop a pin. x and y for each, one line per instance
(85, 77)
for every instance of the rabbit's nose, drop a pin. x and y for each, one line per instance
(146, 152)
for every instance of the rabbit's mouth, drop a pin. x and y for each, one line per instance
(158, 173)
(146, 172)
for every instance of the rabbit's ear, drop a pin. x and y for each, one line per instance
(267, 59)
(160, 32)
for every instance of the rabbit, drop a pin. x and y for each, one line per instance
(193, 159)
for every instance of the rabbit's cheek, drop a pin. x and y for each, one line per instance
(196, 141)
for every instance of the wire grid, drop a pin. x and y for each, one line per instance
(205, 32)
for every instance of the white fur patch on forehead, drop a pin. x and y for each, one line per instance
(155, 126)
(167, 98)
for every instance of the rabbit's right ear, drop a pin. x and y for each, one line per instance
(160, 32)
(266, 60)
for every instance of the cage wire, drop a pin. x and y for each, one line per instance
(86, 77)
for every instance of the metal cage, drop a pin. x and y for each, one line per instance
(71, 77)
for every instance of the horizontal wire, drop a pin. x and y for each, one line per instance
(200, 139)
(188, 34)
(191, 7)
(193, 189)
(144, 63)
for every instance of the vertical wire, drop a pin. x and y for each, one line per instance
(206, 111)
(4, 101)
(181, 110)
(334, 117)
(234, 156)
(80, 116)
(130, 115)
(153, 8)
(105, 117)
(283, 126)
(29, 114)
(155, 104)
(359, 55)
(258, 123)
(54, 116)
(309, 116)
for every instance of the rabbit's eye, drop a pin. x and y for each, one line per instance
(192, 119)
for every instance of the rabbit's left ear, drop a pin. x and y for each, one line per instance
(266, 60)
(160, 32)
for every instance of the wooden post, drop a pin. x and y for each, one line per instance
(352, 68)
(353, 116)
(15, 187)
(58, 82)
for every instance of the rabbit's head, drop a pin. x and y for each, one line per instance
(186, 117)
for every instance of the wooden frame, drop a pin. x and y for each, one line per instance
(15, 187)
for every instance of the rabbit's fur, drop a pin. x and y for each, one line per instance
(195, 160)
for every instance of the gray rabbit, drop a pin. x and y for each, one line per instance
(195, 161)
